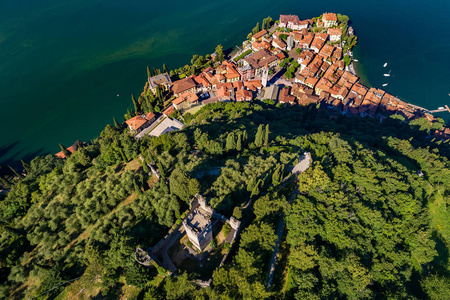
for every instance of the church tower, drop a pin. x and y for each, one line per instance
(265, 75)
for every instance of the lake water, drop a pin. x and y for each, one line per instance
(63, 62)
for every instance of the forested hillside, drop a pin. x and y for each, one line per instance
(363, 224)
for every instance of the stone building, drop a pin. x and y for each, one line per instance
(198, 228)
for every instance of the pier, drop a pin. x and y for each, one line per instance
(446, 108)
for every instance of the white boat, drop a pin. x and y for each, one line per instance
(385, 64)
(355, 60)
(441, 107)
(387, 74)
(385, 84)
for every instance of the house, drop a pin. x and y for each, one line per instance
(337, 54)
(169, 111)
(247, 72)
(232, 75)
(224, 93)
(259, 45)
(292, 22)
(253, 85)
(339, 92)
(318, 42)
(356, 94)
(259, 35)
(335, 34)
(323, 85)
(297, 36)
(279, 43)
(347, 79)
(285, 96)
(306, 41)
(184, 85)
(217, 79)
(185, 100)
(140, 122)
(260, 59)
(244, 95)
(329, 20)
(326, 51)
(203, 82)
(161, 80)
(311, 82)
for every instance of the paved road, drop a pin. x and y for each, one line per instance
(279, 232)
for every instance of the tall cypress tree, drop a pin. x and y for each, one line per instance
(149, 73)
(15, 172)
(230, 145)
(245, 136)
(162, 173)
(65, 151)
(26, 166)
(239, 142)
(259, 136)
(165, 69)
(116, 124)
(135, 103)
(266, 136)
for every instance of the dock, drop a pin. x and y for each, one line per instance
(446, 108)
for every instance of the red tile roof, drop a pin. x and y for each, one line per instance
(136, 122)
(182, 85)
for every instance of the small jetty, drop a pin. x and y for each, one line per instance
(440, 109)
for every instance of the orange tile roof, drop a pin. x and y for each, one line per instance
(169, 111)
(330, 17)
(243, 95)
(186, 96)
(334, 31)
(260, 34)
(182, 85)
(136, 122)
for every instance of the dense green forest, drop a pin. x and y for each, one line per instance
(364, 224)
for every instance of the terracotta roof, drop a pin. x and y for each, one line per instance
(169, 111)
(150, 116)
(243, 95)
(280, 43)
(258, 45)
(334, 31)
(238, 85)
(253, 84)
(201, 79)
(260, 34)
(186, 96)
(289, 19)
(285, 96)
(182, 85)
(61, 154)
(136, 122)
(330, 17)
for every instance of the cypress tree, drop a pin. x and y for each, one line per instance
(116, 124)
(65, 151)
(259, 136)
(26, 166)
(15, 172)
(162, 173)
(245, 136)
(255, 190)
(276, 175)
(230, 145)
(266, 136)
(264, 24)
(165, 69)
(135, 103)
(5, 182)
(149, 73)
(239, 143)
(154, 71)
(256, 29)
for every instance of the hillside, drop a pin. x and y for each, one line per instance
(363, 224)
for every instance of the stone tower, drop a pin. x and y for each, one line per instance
(265, 75)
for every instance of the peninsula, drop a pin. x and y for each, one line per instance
(272, 173)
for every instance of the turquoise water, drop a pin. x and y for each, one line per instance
(63, 62)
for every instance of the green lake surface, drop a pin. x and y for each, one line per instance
(68, 67)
